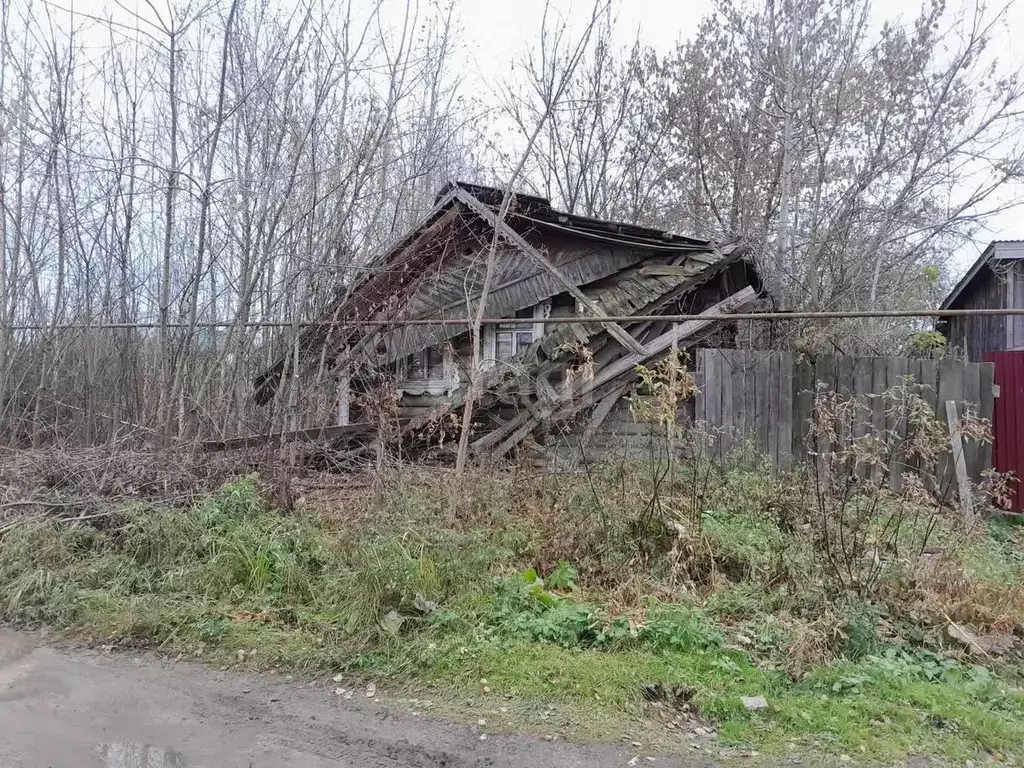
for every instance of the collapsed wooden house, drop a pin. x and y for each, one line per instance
(549, 265)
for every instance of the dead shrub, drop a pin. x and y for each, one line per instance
(69, 480)
(877, 493)
(950, 595)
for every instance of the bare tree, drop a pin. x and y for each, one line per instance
(600, 152)
(859, 159)
(175, 174)
(215, 163)
(559, 68)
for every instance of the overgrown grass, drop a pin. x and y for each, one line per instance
(539, 588)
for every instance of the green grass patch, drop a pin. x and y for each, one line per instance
(443, 607)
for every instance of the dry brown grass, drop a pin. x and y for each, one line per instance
(985, 605)
(90, 483)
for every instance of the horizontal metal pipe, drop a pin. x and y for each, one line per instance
(840, 315)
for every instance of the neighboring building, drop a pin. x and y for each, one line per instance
(995, 281)
(541, 374)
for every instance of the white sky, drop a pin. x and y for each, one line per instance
(495, 33)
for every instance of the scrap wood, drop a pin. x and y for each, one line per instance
(963, 482)
(501, 441)
(967, 638)
(271, 439)
(601, 413)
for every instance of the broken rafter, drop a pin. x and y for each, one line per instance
(601, 413)
(680, 333)
(502, 440)
(506, 232)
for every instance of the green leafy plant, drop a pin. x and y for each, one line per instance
(928, 344)
(536, 590)
(564, 576)
(680, 630)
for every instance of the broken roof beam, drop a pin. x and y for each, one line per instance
(506, 232)
(506, 437)
(601, 413)
(680, 333)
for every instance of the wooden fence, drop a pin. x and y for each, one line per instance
(767, 398)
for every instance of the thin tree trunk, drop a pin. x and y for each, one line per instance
(475, 372)
(164, 384)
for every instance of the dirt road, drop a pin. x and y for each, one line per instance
(77, 709)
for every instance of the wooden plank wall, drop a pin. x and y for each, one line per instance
(767, 398)
(741, 393)
(1015, 299)
(975, 335)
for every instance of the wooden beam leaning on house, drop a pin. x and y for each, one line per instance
(506, 232)
(500, 441)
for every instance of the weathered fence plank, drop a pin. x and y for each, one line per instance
(750, 404)
(897, 370)
(783, 389)
(760, 371)
(768, 399)
(863, 376)
(879, 407)
(824, 377)
(803, 404)
(971, 400)
(950, 387)
(711, 389)
(726, 441)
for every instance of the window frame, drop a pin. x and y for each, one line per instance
(448, 382)
(514, 326)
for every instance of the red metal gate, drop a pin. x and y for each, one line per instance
(1008, 419)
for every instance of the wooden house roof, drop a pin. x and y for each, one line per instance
(435, 272)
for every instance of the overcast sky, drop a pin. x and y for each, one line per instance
(495, 33)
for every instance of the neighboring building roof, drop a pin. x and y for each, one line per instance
(997, 250)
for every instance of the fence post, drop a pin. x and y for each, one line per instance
(956, 443)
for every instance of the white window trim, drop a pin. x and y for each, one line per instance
(446, 385)
(490, 340)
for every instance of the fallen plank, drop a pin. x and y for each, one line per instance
(502, 440)
(601, 413)
(956, 443)
(680, 334)
(314, 435)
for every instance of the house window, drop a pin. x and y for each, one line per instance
(425, 365)
(429, 371)
(503, 342)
